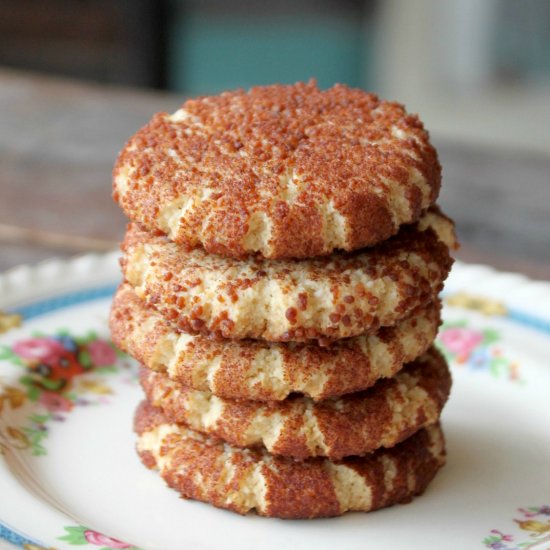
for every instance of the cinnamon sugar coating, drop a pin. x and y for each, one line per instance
(267, 371)
(338, 296)
(243, 480)
(281, 171)
(353, 425)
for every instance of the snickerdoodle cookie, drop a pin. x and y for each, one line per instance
(355, 424)
(337, 296)
(243, 480)
(267, 371)
(281, 171)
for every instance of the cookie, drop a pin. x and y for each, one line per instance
(279, 171)
(267, 371)
(329, 298)
(243, 480)
(355, 424)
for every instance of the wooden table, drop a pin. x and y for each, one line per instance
(59, 139)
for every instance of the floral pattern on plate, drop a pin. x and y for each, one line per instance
(75, 535)
(477, 349)
(535, 520)
(58, 372)
(82, 536)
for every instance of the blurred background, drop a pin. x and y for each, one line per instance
(474, 69)
(477, 72)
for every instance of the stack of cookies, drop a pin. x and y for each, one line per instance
(281, 279)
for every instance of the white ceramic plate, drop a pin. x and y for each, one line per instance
(69, 474)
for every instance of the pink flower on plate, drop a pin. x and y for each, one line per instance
(507, 538)
(98, 539)
(101, 353)
(461, 341)
(47, 350)
(54, 402)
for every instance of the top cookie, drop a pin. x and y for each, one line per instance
(282, 171)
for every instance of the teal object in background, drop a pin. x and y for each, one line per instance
(211, 50)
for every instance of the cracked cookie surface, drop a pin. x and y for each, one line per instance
(267, 371)
(279, 171)
(338, 296)
(242, 480)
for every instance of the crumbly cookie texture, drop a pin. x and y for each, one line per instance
(353, 425)
(339, 296)
(267, 371)
(243, 480)
(281, 171)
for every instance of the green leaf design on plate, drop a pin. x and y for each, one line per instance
(74, 535)
(40, 418)
(490, 336)
(108, 369)
(90, 336)
(84, 359)
(6, 353)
